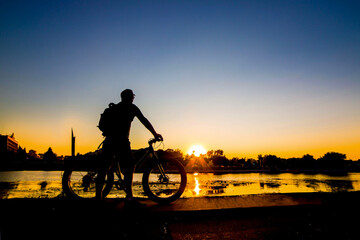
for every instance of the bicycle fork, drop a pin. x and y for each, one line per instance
(162, 177)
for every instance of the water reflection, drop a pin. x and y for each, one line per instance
(197, 187)
(331, 185)
(6, 188)
(260, 183)
(43, 185)
(313, 184)
(340, 186)
(216, 190)
(236, 184)
(270, 184)
(25, 184)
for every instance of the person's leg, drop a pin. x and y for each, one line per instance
(127, 163)
(128, 180)
(105, 163)
(100, 180)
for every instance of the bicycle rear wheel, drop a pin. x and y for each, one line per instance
(164, 181)
(79, 183)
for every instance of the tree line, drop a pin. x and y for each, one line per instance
(23, 160)
(211, 161)
(216, 159)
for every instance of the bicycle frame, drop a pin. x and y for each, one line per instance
(149, 153)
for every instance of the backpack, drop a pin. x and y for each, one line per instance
(107, 120)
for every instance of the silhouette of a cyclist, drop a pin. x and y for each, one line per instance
(117, 144)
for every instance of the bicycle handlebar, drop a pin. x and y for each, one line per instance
(154, 140)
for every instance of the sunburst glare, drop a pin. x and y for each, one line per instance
(197, 150)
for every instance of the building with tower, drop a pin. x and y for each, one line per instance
(8, 143)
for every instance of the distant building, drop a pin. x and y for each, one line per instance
(8, 143)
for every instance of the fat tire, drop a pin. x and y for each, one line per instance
(177, 195)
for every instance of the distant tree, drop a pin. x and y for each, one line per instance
(216, 158)
(332, 160)
(171, 154)
(210, 153)
(32, 154)
(293, 163)
(250, 163)
(260, 160)
(219, 160)
(49, 156)
(237, 162)
(308, 162)
(273, 162)
(175, 153)
(308, 157)
(219, 152)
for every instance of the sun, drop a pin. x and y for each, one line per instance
(197, 150)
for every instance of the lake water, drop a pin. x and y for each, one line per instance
(47, 184)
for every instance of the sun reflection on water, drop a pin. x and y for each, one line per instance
(197, 185)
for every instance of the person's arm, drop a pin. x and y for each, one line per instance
(147, 124)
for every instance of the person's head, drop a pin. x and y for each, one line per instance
(127, 96)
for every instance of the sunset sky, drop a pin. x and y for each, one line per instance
(248, 77)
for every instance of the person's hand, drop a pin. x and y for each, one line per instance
(158, 137)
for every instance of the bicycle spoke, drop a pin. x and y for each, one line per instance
(165, 181)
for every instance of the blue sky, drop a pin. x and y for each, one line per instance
(249, 77)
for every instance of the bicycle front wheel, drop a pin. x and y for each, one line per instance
(164, 181)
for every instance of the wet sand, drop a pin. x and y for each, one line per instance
(269, 216)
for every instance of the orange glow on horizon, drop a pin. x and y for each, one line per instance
(39, 136)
